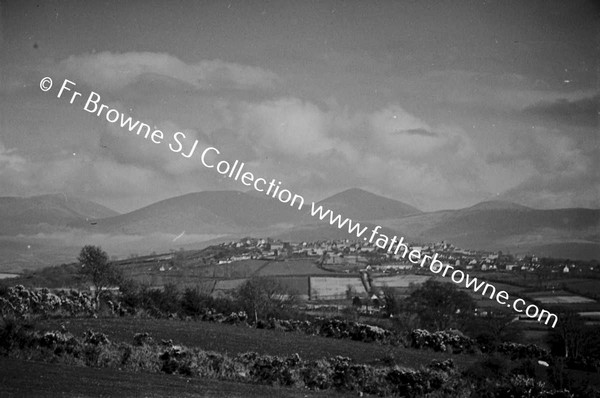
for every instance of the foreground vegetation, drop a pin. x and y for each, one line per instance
(510, 370)
(260, 336)
(76, 381)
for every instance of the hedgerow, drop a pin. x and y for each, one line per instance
(22, 302)
(338, 373)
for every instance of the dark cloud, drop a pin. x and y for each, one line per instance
(581, 112)
(420, 131)
(557, 191)
(438, 106)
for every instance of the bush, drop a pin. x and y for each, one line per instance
(21, 302)
(523, 351)
(141, 339)
(338, 373)
(14, 333)
(441, 341)
(95, 338)
(489, 368)
(192, 302)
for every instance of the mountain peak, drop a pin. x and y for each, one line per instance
(359, 204)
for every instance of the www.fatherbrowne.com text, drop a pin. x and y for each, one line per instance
(271, 187)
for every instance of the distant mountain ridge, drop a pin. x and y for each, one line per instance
(491, 225)
(498, 205)
(360, 205)
(231, 212)
(214, 212)
(509, 227)
(30, 214)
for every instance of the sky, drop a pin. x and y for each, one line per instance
(438, 104)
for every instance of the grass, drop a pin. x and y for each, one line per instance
(20, 378)
(587, 287)
(292, 267)
(234, 339)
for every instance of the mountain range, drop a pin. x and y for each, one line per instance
(36, 214)
(495, 225)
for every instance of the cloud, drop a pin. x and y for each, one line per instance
(579, 112)
(418, 131)
(9, 160)
(395, 132)
(557, 170)
(323, 149)
(551, 191)
(287, 125)
(314, 148)
(111, 71)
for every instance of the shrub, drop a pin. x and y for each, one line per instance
(22, 302)
(14, 333)
(140, 339)
(95, 338)
(192, 302)
(441, 341)
(489, 368)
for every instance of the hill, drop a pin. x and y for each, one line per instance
(208, 212)
(46, 212)
(360, 205)
(44, 223)
(233, 212)
(570, 233)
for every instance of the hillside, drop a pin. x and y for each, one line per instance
(209, 212)
(54, 227)
(361, 205)
(232, 212)
(570, 233)
(46, 212)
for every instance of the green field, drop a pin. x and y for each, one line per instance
(235, 339)
(586, 287)
(20, 378)
(292, 267)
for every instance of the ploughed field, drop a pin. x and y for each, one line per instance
(235, 339)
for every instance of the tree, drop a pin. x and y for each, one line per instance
(390, 301)
(263, 297)
(356, 302)
(440, 305)
(570, 336)
(492, 329)
(96, 268)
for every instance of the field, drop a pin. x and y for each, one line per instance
(567, 299)
(222, 277)
(227, 285)
(397, 281)
(235, 339)
(330, 287)
(20, 378)
(292, 267)
(295, 284)
(586, 287)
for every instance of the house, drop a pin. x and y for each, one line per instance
(276, 246)
(335, 259)
(391, 267)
